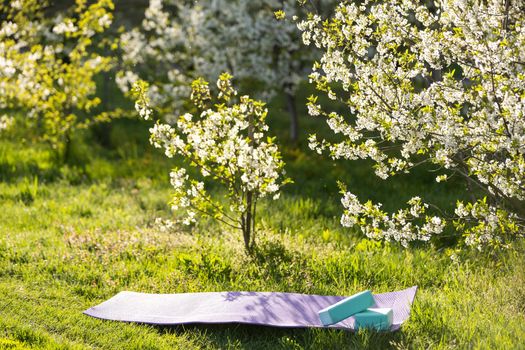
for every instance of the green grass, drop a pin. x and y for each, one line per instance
(71, 237)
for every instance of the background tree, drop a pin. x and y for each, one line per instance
(180, 41)
(442, 83)
(48, 65)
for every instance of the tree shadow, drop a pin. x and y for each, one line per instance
(245, 336)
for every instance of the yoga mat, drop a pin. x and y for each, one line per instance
(257, 308)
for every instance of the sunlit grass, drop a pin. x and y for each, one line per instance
(73, 236)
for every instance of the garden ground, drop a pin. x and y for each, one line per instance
(73, 236)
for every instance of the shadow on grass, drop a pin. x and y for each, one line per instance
(236, 335)
(10, 172)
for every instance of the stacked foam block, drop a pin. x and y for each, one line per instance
(360, 306)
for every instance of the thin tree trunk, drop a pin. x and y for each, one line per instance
(249, 224)
(253, 220)
(506, 17)
(248, 221)
(294, 121)
(66, 154)
(102, 131)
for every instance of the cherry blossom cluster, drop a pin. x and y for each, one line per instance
(185, 40)
(441, 83)
(179, 41)
(405, 225)
(226, 144)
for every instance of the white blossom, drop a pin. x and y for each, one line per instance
(64, 27)
(5, 122)
(180, 41)
(226, 144)
(444, 83)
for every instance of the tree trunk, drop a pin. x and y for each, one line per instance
(506, 16)
(294, 121)
(248, 223)
(254, 211)
(102, 131)
(249, 219)
(66, 154)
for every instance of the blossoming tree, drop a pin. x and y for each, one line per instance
(48, 65)
(179, 41)
(226, 144)
(441, 83)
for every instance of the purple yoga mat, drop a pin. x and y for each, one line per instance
(257, 308)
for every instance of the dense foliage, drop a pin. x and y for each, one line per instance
(180, 41)
(48, 66)
(440, 83)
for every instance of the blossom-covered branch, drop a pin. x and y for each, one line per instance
(439, 82)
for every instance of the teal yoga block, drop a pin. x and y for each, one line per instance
(346, 308)
(379, 319)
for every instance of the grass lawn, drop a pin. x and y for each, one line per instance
(72, 238)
